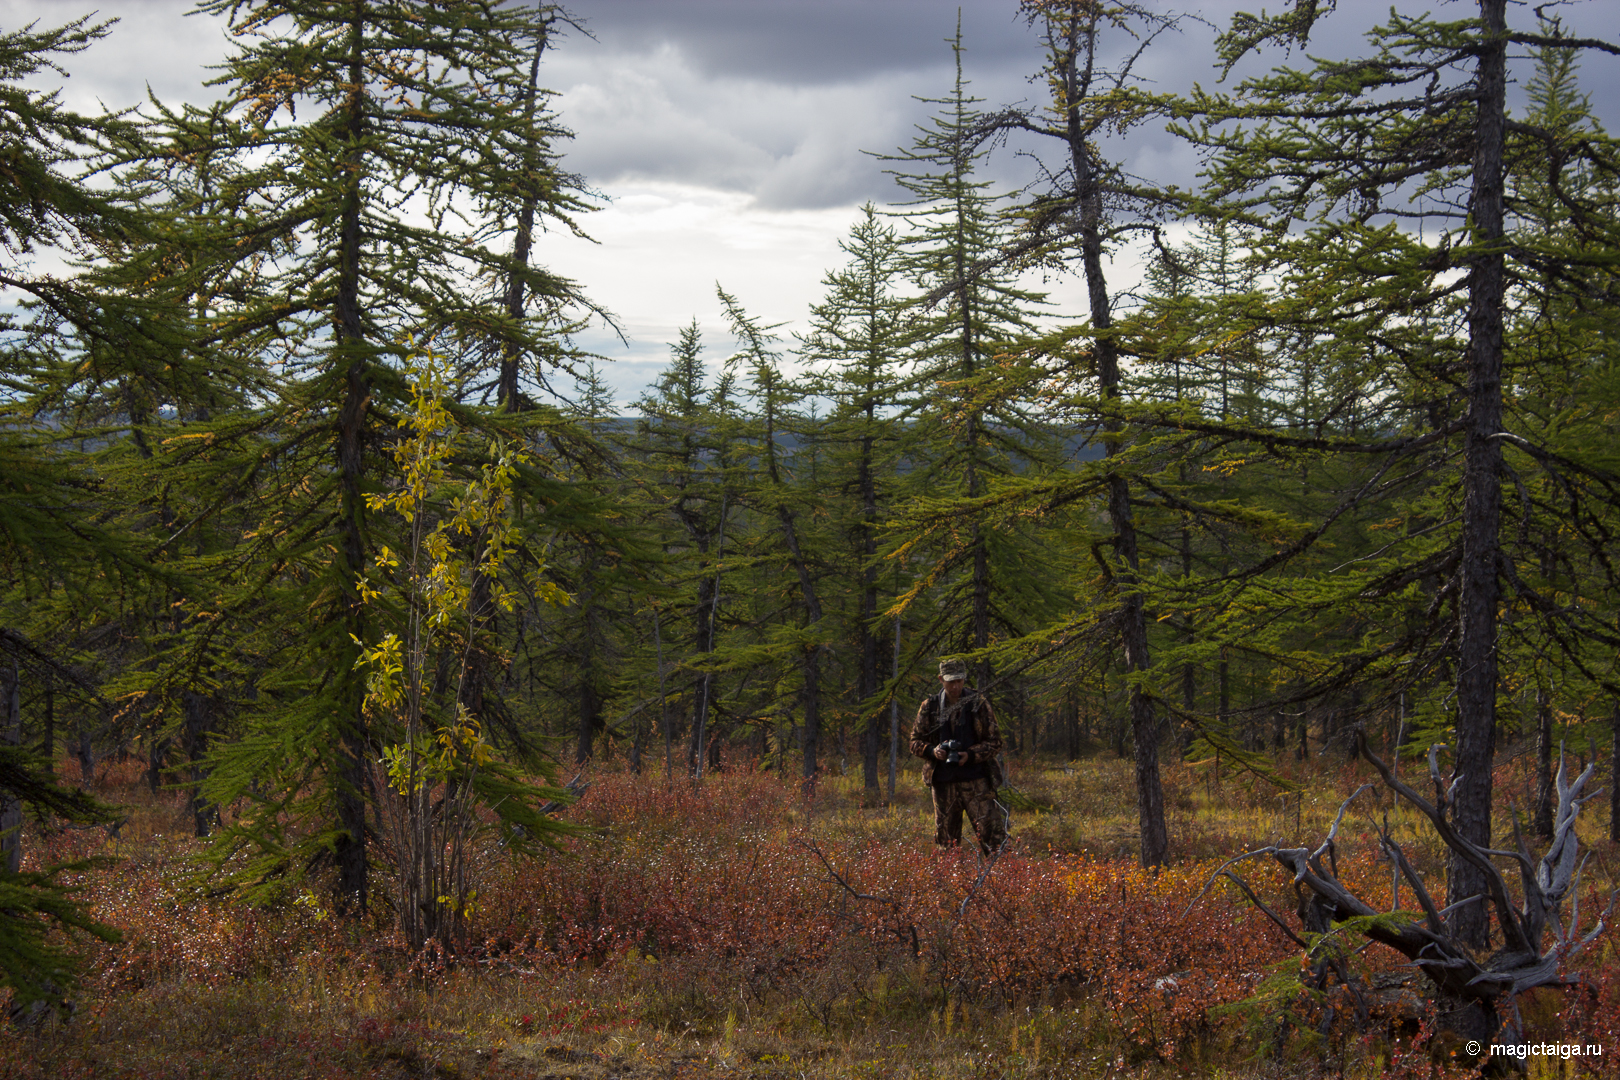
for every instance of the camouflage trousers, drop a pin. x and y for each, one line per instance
(978, 799)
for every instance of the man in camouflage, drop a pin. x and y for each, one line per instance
(955, 734)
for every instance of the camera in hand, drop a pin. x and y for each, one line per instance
(953, 752)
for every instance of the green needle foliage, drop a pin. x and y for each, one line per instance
(684, 456)
(860, 353)
(350, 193)
(54, 545)
(795, 631)
(1337, 164)
(972, 426)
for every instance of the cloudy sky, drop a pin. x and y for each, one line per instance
(727, 135)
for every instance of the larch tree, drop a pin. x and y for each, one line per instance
(58, 539)
(968, 430)
(859, 351)
(1340, 160)
(683, 456)
(1561, 330)
(372, 155)
(1071, 221)
(786, 512)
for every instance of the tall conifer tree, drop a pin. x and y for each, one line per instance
(370, 154)
(1331, 153)
(683, 452)
(970, 430)
(67, 334)
(859, 347)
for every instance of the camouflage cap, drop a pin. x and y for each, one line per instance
(952, 669)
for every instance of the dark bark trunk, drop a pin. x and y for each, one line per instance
(199, 715)
(663, 698)
(894, 716)
(47, 742)
(1189, 674)
(867, 681)
(812, 716)
(811, 661)
(700, 723)
(1080, 42)
(979, 586)
(1543, 815)
(968, 345)
(1071, 716)
(84, 750)
(11, 735)
(590, 713)
(708, 603)
(1482, 461)
(508, 393)
(156, 756)
(350, 848)
(1614, 773)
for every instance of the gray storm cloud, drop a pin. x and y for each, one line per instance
(772, 98)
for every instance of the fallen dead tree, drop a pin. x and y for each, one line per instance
(1473, 996)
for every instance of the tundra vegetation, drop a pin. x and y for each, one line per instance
(1290, 571)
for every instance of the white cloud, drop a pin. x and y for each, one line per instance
(662, 247)
(654, 116)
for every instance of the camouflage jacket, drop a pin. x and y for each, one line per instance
(983, 742)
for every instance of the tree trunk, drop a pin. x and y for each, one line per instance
(867, 681)
(894, 714)
(708, 605)
(11, 816)
(85, 751)
(47, 743)
(1482, 500)
(509, 399)
(1543, 812)
(349, 781)
(968, 343)
(1614, 773)
(1071, 726)
(788, 523)
(199, 725)
(1189, 675)
(1133, 616)
(590, 702)
(663, 698)
(508, 392)
(156, 755)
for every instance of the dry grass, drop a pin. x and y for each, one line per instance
(574, 978)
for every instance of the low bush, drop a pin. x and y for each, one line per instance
(738, 923)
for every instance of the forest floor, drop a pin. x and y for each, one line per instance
(736, 928)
